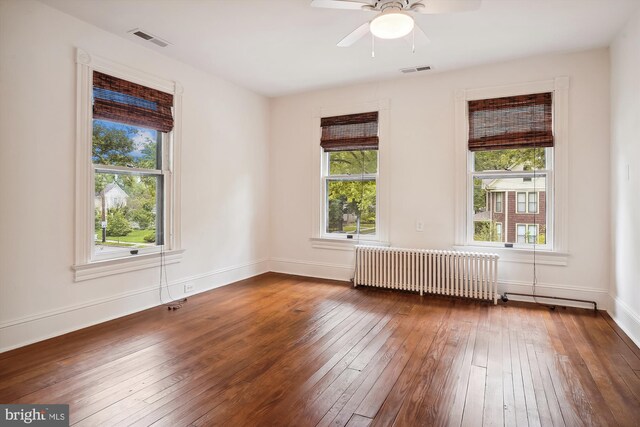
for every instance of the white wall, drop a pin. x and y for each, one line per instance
(224, 178)
(421, 174)
(625, 178)
(246, 175)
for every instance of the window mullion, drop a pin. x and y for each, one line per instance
(351, 177)
(510, 174)
(126, 170)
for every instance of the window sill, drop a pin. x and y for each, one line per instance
(96, 269)
(342, 244)
(521, 256)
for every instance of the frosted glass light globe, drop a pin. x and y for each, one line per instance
(391, 25)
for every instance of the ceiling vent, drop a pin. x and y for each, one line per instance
(145, 35)
(415, 69)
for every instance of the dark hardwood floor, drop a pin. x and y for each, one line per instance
(284, 350)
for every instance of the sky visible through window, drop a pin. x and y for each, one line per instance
(141, 137)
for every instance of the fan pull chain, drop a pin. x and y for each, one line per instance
(373, 46)
(413, 40)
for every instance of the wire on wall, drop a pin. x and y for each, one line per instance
(172, 304)
(535, 220)
(534, 283)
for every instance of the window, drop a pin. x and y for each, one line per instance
(127, 207)
(128, 181)
(498, 207)
(522, 203)
(350, 174)
(351, 192)
(128, 154)
(522, 232)
(533, 202)
(510, 148)
(527, 202)
(527, 233)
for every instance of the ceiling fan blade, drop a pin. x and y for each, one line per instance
(417, 37)
(445, 6)
(355, 35)
(340, 4)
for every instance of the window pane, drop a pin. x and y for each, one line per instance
(487, 231)
(127, 210)
(522, 231)
(522, 202)
(351, 207)
(514, 202)
(533, 202)
(116, 144)
(353, 162)
(515, 159)
(484, 228)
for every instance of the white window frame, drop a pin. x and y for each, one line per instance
(499, 234)
(87, 266)
(334, 241)
(325, 207)
(555, 253)
(518, 225)
(518, 193)
(527, 226)
(536, 201)
(495, 202)
(548, 173)
(164, 172)
(527, 201)
(536, 234)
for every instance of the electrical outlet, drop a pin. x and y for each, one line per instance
(188, 287)
(419, 225)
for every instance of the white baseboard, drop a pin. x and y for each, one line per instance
(29, 329)
(312, 269)
(345, 272)
(625, 317)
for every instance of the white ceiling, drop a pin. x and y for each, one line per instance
(276, 47)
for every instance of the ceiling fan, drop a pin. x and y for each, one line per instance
(394, 19)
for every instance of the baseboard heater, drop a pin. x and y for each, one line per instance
(454, 273)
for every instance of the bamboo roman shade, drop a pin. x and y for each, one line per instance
(523, 121)
(350, 132)
(130, 103)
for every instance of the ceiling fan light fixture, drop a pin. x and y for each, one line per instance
(391, 24)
